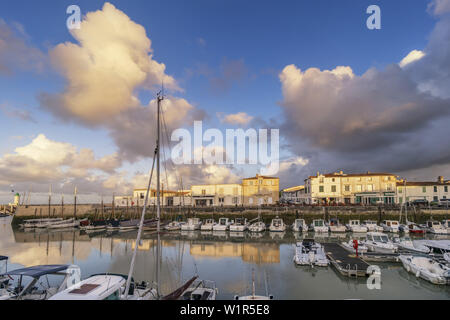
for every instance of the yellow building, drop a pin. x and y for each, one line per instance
(261, 190)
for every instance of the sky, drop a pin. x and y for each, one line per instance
(77, 107)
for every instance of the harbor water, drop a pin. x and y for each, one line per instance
(229, 259)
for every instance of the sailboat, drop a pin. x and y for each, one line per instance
(254, 296)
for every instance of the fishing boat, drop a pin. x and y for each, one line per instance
(223, 225)
(192, 224)
(390, 226)
(427, 269)
(356, 227)
(277, 225)
(372, 226)
(299, 225)
(33, 288)
(350, 246)
(308, 252)
(406, 244)
(258, 226)
(107, 287)
(319, 226)
(379, 242)
(239, 225)
(335, 226)
(435, 227)
(201, 290)
(208, 225)
(174, 226)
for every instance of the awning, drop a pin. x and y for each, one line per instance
(38, 271)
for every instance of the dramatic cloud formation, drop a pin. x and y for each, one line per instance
(45, 161)
(377, 121)
(104, 73)
(15, 53)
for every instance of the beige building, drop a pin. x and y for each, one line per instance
(217, 195)
(426, 190)
(339, 187)
(168, 198)
(261, 190)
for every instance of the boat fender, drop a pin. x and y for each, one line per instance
(408, 268)
(418, 273)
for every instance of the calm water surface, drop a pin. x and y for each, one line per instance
(226, 258)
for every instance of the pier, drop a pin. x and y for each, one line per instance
(345, 262)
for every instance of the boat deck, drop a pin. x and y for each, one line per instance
(345, 262)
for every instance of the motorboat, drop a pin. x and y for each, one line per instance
(106, 287)
(437, 247)
(239, 225)
(34, 289)
(201, 290)
(412, 228)
(319, 226)
(406, 244)
(192, 224)
(174, 226)
(277, 225)
(308, 252)
(223, 225)
(299, 225)
(356, 227)
(350, 246)
(435, 227)
(208, 225)
(372, 226)
(390, 226)
(258, 226)
(404, 228)
(379, 242)
(426, 268)
(335, 226)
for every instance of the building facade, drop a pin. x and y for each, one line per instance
(261, 190)
(293, 195)
(168, 198)
(216, 195)
(430, 191)
(341, 188)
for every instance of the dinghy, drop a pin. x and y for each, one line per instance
(308, 252)
(427, 269)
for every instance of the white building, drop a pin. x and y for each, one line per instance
(217, 195)
(430, 191)
(293, 195)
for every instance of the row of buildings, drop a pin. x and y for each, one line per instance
(259, 190)
(332, 188)
(365, 189)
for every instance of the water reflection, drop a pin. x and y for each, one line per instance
(227, 258)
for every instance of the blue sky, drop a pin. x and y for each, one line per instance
(197, 40)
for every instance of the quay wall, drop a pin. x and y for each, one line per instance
(289, 214)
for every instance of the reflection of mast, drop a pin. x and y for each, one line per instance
(49, 200)
(73, 248)
(158, 197)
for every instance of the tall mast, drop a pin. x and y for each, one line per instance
(158, 195)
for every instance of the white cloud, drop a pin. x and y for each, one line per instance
(240, 118)
(413, 56)
(439, 7)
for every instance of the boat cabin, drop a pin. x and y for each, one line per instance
(318, 223)
(223, 221)
(377, 237)
(354, 222)
(390, 223)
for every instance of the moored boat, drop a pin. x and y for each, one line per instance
(239, 225)
(223, 225)
(427, 269)
(319, 226)
(379, 242)
(277, 225)
(258, 226)
(335, 226)
(192, 224)
(356, 227)
(308, 252)
(208, 225)
(299, 225)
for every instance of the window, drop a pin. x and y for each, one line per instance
(142, 195)
(446, 189)
(204, 192)
(321, 189)
(369, 179)
(347, 188)
(114, 296)
(221, 200)
(333, 188)
(424, 189)
(235, 200)
(333, 180)
(369, 187)
(359, 188)
(435, 188)
(400, 190)
(435, 198)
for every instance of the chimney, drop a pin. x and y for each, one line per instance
(441, 179)
(318, 173)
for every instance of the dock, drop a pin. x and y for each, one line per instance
(345, 262)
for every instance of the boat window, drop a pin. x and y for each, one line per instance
(384, 239)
